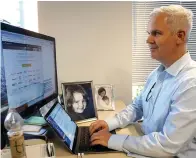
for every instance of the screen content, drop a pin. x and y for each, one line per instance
(62, 123)
(27, 69)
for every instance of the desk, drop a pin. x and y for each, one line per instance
(62, 152)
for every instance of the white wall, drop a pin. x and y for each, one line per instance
(93, 42)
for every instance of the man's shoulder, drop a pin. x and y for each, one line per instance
(192, 65)
(187, 77)
(189, 71)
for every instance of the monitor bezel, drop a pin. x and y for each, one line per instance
(31, 110)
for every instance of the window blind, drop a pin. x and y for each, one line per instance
(142, 64)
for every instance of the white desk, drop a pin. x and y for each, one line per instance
(62, 152)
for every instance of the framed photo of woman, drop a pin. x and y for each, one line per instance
(104, 97)
(78, 101)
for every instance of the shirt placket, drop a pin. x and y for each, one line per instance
(156, 92)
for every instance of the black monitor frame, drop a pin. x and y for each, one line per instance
(35, 107)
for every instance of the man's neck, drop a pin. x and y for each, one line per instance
(176, 56)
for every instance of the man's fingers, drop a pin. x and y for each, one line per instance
(97, 126)
(101, 138)
(92, 125)
(90, 128)
(95, 136)
(94, 128)
(95, 139)
(97, 142)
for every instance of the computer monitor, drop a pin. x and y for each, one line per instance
(28, 69)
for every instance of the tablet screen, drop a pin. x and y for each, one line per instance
(62, 124)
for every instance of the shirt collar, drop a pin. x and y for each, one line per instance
(176, 67)
(161, 68)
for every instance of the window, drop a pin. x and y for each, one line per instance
(21, 13)
(142, 63)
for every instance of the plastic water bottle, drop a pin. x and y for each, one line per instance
(13, 123)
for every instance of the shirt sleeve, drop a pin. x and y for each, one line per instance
(178, 130)
(131, 113)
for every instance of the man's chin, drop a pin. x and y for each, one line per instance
(154, 55)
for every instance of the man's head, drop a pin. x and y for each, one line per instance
(102, 91)
(169, 28)
(76, 98)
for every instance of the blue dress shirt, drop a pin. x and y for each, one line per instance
(168, 106)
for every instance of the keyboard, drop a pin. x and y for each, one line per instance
(85, 143)
(85, 136)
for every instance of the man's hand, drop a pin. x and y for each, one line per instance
(97, 126)
(100, 138)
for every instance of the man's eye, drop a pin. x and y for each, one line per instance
(156, 33)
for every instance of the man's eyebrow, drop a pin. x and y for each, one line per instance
(154, 31)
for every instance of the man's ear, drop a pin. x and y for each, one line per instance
(181, 37)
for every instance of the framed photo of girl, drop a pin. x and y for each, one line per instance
(78, 101)
(104, 97)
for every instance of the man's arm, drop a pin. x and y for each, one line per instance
(179, 130)
(131, 113)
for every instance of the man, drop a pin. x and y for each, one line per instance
(168, 101)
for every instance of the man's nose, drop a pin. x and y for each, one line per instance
(150, 39)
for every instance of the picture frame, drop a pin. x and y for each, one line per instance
(104, 97)
(78, 100)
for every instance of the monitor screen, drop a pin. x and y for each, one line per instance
(62, 124)
(28, 69)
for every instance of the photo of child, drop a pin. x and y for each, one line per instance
(78, 100)
(104, 97)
